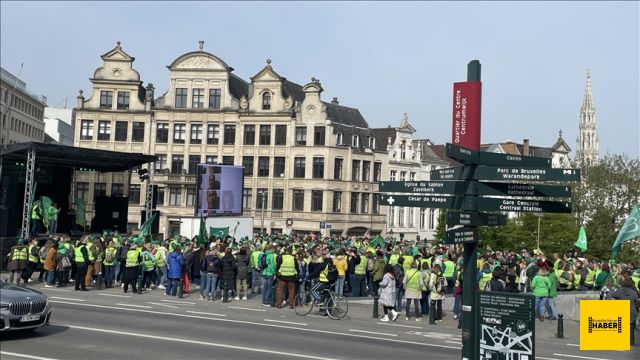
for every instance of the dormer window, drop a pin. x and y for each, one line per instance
(372, 142)
(266, 101)
(339, 139)
(403, 150)
(355, 140)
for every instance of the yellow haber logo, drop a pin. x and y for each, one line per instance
(605, 325)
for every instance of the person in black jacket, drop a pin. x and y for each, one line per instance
(286, 282)
(122, 257)
(229, 270)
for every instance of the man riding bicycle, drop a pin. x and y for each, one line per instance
(321, 272)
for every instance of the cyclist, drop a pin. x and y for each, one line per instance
(321, 271)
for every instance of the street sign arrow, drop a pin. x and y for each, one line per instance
(515, 189)
(475, 219)
(430, 201)
(484, 172)
(423, 187)
(460, 236)
(451, 173)
(517, 205)
(469, 156)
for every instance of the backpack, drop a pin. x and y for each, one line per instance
(262, 260)
(332, 272)
(441, 284)
(213, 265)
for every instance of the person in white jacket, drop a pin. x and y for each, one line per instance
(388, 294)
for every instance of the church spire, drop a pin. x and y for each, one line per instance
(587, 141)
(587, 101)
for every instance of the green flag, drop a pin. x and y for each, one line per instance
(629, 230)
(377, 241)
(80, 217)
(45, 202)
(220, 233)
(145, 229)
(202, 234)
(581, 243)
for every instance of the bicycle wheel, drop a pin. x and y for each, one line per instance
(303, 303)
(336, 306)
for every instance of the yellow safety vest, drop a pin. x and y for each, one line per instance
(32, 258)
(288, 265)
(79, 259)
(486, 277)
(576, 280)
(89, 252)
(450, 267)
(110, 251)
(413, 280)
(591, 278)
(19, 254)
(323, 274)
(132, 258)
(361, 267)
(161, 254)
(406, 264)
(34, 213)
(393, 259)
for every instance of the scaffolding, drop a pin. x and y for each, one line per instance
(28, 193)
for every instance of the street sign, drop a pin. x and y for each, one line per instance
(460, 236)
(430, 201)
(475, 219)
(469, 156)
(322, 225)
(423, 187)
(506, 326)
(521, 173)
(513, 189)
(518, 205)
(451, 173)
(461, 154)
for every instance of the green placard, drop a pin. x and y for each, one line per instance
(462, 154)
(469, 156)
(516, 189)
(518, 205)
(451, 173)
(505, 173)
(430, 201)
(461, 236)
(423, 187)
(475, 219)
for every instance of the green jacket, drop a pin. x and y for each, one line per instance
(378, 270)
(540, 286)
(602, 278)
(270, 270)
(553, 285)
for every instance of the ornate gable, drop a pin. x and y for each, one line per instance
(117, 54)
(199, 60)
(266, 74)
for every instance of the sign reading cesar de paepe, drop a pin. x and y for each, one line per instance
(604, 325)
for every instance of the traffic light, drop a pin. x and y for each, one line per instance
(143, 174)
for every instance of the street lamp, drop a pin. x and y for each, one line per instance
(539, 215)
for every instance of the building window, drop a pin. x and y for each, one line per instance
(400, 216)
(247, 199)
(301, 135)
(337, 201)
(229, 134)
(337, 169)
(354, 202)
(196, 134)
(355, 140)
(117, 189)
(262, 199)
(249, 134)
(104, 130)
(339, 139)
(281, 134)
(181, 98)
(214, 98)
(194, 160)
(318, 135)
(197, 99)
(99, 189)
(123, 100)
(278, 199)
(422, 219)
(134, 194)
(412, 176)
(174, 196)
(179, 131)
(122, 128)
(372, 142)
(191, 196)
(82, 191)
(355, 170)
(278, 167)
(432, 219)
(265, 134)
(228, 160)
(137, 132)
(411, 219)
(247, 163)
(86, 129)
(366, 170)
(392, 216)
(211, 159)
(299, 167)
(177, 162)
(403, 150)
(316, 200)
(161, 162)
(318, 168)
(392, 175)
(162, 133)
(213, 134)
(266, 101)
(106, 99)
(160, 196)
(298, 200)
(364, 203)
(403, 176)
(263, 166)
(376, 204)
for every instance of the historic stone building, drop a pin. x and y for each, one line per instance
(587, 143)
(310, 161)
(21, 111)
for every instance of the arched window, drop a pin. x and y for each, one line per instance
(266, 101)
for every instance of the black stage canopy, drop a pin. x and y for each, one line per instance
(69, 156)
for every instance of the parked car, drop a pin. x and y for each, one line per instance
(22, 308)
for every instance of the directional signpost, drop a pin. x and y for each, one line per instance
(423, 187)
(475, 219)
(462, 235)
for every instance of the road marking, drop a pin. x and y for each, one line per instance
(243, 308)
(204, 313)
(61, 298)
(453, 342)
(580, 357)
(25, 356)
(406, 326)
(285, 322)
(576, 345)
(49, 289)
(371, 332)
(179, 302)
(545, 358)
(205, 343)
(114, 295)
(333, 333)
(159, 304)
(138, 306)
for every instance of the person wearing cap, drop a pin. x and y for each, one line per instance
(378, 271)
(160, 253)
(175, 262)
(81, 258)
(268, 275)
(286, 271)
(358, 273)
(132, 267)
(109, 260)
(63, 265)
(18, 258)
(50, 263)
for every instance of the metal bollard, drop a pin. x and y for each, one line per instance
(180, 285)
(432, 313)
(273, 294)
(100, 282)
(139, 288)
(225, 293)
(633, 334)
(375, 307)
(560, 326)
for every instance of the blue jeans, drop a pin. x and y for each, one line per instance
(339, 287)
(457, 302)
(211, 282)
(109, 271)
(399, 296)
(53, 226)
(357, 280)
(162, 274)
(551, 304)
(370, 290)
(267, 283)
(203, 281)
(424, 302)
(172, 288)
(541, 303)
(256, 278)
(50, 277)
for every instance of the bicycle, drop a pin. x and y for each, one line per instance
(335, 306)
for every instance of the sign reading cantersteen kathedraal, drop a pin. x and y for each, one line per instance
(506, 326)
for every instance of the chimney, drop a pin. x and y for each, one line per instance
(525, 147)
(148, 103)
(80, 100)
(335, 101)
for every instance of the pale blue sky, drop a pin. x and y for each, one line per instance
(383, 58)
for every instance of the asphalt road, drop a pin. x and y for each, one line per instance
(111, 325)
